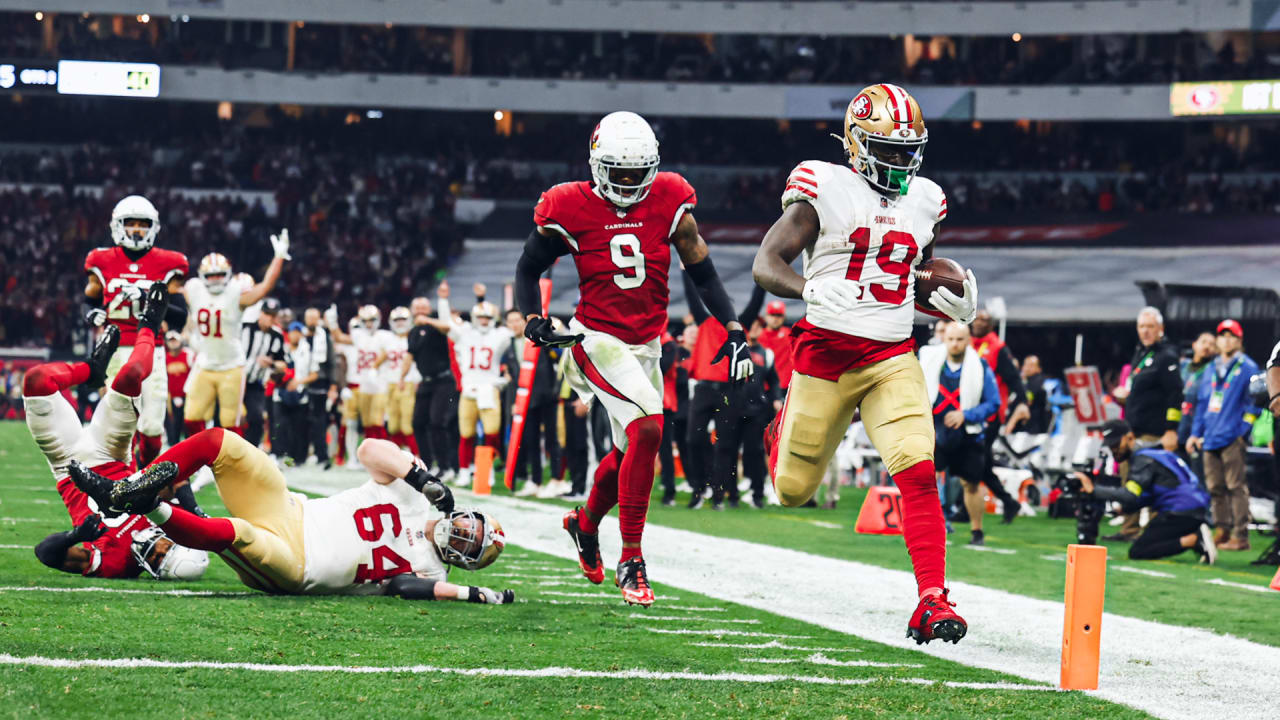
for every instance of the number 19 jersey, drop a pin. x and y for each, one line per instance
(872, 239)
(360, 538)
(623, 255)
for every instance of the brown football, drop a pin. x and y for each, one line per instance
(935, 273)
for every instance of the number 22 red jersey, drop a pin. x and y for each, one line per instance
(623, 256)
(116, 271)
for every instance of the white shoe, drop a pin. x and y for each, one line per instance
(683, 487)
(770, 497)
(573, 498)
(529, 490)
(434, 471)
(353, 465)
(464, 478)
(448, 476)
(202, 479)
(311, 460)
(550, 489)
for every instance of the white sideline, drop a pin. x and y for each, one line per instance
(1199, 673)
(123, 591)
(557, 672)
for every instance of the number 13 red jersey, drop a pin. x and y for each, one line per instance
(623, 256)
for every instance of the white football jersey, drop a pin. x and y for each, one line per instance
(479, 354)
(397, 349)
(357, 540)
(368, 344)
(216, 319)
(870, 238)
(348, 351)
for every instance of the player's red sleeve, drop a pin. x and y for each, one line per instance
(676, 195)
(556, 208)
(92, 261)
(175, 264)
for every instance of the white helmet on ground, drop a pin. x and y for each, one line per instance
(215, 271)
(469, 539)
(134, 207)
(623, 158)
(400, 320)
(174, 563)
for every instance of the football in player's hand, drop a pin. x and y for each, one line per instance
(937, 273)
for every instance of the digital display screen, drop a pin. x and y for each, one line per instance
(1228, 97)
(118, 79)
(27, 77)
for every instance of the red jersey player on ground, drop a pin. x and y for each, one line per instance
(119, 546)
(620, 229)
(862, 230)
(118, 278)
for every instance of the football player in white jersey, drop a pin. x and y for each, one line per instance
(862, 228)
(396, 534)
(217, 301)
(401, 378)
(478, 347)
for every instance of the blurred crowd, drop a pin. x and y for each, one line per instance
(673, 57)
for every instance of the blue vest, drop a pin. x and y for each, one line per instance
(1186, 497)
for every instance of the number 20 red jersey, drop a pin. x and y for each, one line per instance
(116, 271)
(623, 255)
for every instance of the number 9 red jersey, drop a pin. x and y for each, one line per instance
(116, 271)
(623, 256)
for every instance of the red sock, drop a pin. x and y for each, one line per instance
(148, 448)
(922, 525)
(136, 369)
(635, 480)
(466, 452)
(604, 492)
(342, 443)
(195, 452)
(412, 442)
(193, 531)
(52, 378)
(237, 429)
(193, 428)
(492, 441)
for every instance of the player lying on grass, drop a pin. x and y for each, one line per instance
(393, 535)
(121, 546)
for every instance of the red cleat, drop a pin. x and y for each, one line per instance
(588, 545)
(633, 580)
(935, 620)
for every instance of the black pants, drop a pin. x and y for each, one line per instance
(173, 426)
(705, 404)
(317, 425)
(255, 409)
(1161, 538)
(737, 432)
(988, 473)
(601, 429)
(290, 435)
(539, 427)
(576, 437)
(673, 435)
(435, 422)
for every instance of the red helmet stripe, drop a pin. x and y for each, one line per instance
(893, 100)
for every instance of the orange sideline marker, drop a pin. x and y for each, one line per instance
(1082, 616)
(1275, 581)
(480, 483)
(881, 512)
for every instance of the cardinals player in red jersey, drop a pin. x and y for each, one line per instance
(862, 227)
(118, 278)
(619, 228)
(119, 546)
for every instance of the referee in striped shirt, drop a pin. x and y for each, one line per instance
(264, 354)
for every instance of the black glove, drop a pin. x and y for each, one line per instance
(540, 333)
(735, 349)
(485, 596)
(89, 530)
(436, 492)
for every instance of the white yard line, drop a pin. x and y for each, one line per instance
(611, 602)
(820, 659)
(686, 618)
(615, 595)
(1242, 586)
(1007, 633)
(17, 547)
(544, 672)
(121, 591)
(725, 632)
(1142, 571)
(772, 645)
(24, 519)
(988, 548)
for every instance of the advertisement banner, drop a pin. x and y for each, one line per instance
(1229, 97)
(1085, 386)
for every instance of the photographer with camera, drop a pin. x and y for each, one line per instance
(1160, 480)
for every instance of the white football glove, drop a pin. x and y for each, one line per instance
(96, 317)
(493, 597)
(960, 309)
(331, 316)
(280, 244)
(837, 294)
(133, 293)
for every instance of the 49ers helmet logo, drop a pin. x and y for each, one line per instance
(861, 107)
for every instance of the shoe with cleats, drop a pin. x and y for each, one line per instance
(935, 620)
(633, 580)
(135, 495)
(154, 309)
(588, 545)
(101, 354)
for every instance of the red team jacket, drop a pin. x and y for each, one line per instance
(116, 271)
(623, 256)
(178, 366)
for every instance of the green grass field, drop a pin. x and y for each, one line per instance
(565, 649)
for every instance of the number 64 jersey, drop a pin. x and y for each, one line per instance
(623, 255)
(869, 238)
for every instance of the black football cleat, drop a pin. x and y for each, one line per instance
(1011, 508)
(633, 580)
(94, 485)
(136, 494)
(935, 620)
(588, 545)
(101, 354)
(154, 308)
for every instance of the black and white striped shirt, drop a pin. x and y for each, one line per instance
(260, 343)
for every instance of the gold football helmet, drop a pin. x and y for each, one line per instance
(469, 539)
(215, 270)
(884, 135)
